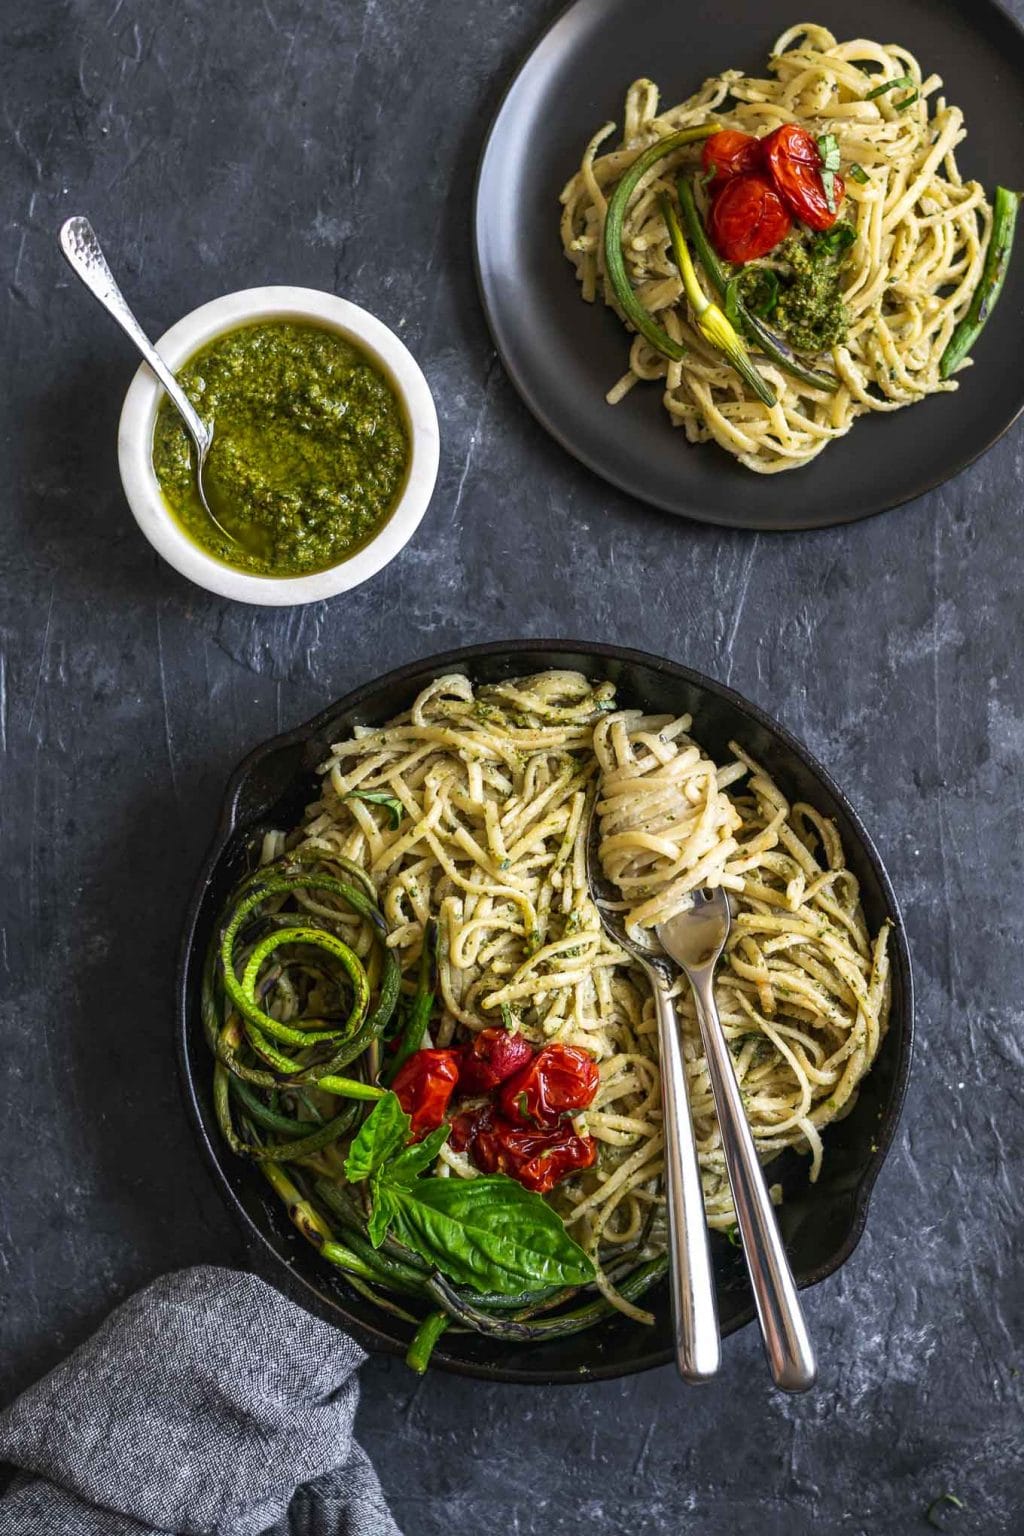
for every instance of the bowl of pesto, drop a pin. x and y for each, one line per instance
(324, 454)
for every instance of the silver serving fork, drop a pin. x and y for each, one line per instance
(695, 939)
(694, 1310)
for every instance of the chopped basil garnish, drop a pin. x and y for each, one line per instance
(896, 85)
(859, 174)
(828, 148)
(394, 808)
(509, 1019)
(838, 239)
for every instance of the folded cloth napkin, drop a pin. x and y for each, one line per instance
(207, 1403)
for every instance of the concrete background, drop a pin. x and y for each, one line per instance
(220, 146)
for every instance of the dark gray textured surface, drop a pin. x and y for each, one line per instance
(330, 144)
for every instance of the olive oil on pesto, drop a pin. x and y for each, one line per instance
(309, 455)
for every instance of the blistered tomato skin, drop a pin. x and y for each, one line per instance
(794, 160)
(559, 1080)
(539, 1159)
(463, 1130)
(748, 219)
(424, 1087)
(728, 154)
(490, 1057)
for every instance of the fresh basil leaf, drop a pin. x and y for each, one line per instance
(414, 1160)
(381, 1135)
(509, 1019)
(896, 85)
(394, 808)
(381, 1212)
(859, 174)
(488, 1233)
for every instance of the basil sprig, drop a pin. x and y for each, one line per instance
(487, 1233)
(394, 807)
(828, 148)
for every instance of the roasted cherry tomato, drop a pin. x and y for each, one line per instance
(538, 1159)
(491, 1057)
(794, 159)
(463, 1130)
(559, 1080)
(729, 154)
(748, 219)
(424, 1086)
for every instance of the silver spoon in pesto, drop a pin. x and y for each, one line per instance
(84, 255)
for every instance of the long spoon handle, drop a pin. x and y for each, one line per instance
(784, 1330)
(694, 1312)
(84, 255)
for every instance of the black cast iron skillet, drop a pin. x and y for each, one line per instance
(821, 1223)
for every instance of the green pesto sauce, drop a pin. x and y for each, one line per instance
(811, 313)
(309, 454)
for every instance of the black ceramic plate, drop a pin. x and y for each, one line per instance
(821, 1224)
(563, 355)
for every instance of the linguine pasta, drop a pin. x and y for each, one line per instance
(922, 233)
(495, 785)
(802, 989)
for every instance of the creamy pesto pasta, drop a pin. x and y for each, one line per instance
(802, 988)
(493, 787)
(921, 233)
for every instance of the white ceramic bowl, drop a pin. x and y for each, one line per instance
(176, 346)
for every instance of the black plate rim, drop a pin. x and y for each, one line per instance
(307, 1293)
(775, 523)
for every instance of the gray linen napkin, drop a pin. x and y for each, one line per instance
(207, 1403)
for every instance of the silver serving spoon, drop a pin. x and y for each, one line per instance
(85, 257)
(694, 1310)
(695, 939)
